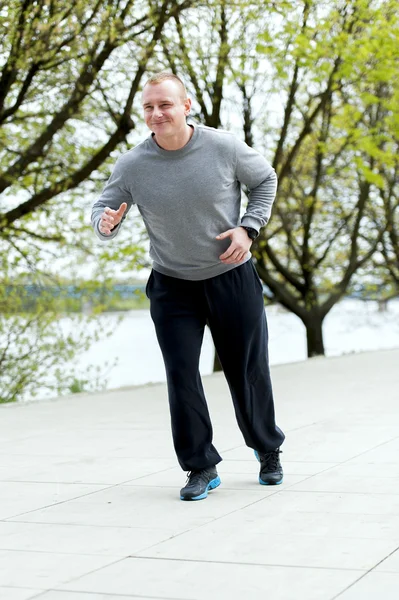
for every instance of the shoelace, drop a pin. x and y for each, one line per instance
(271, 460)
(195, 477)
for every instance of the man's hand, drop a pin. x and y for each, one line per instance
(238, 249)
(110, 218)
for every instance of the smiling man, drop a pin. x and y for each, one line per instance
(186, 182)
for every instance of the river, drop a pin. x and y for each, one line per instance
(352, 326)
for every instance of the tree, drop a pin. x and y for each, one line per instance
(57, 80)
(202, 62)
(69, 77)
(330, 62)
(390, 240)
(34, 347)
(388, 170)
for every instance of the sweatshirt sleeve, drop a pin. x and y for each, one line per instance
(254, 171)
(114, 193)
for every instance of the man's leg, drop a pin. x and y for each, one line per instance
(177, 310)
(238, 324)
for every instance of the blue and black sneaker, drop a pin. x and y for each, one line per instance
(271, 471)
(199, 483)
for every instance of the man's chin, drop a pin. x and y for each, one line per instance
(163, 131)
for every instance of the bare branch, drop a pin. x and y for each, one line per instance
(190, 70)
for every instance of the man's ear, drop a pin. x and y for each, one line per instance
(187, 105)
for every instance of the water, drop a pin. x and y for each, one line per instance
(351, 326)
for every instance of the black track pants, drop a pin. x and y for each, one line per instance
(232, 305)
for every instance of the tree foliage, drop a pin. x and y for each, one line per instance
(69, 76)
(327, 107)
(65, 103)
(313, 86)
(336, 64)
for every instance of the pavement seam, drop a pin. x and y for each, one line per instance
(90, 572)
(339, 464)
(15, 587)
(57, 590)
(365, 574)
(111, 594)
(54, 552)
(335, 492)
(172, 535)
(107, 487)
(245, 564)
(81, 525)
(278, 491)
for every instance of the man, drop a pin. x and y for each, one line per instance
(185, 180)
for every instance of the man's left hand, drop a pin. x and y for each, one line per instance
(238, 249)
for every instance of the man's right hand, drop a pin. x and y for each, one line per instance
(111, 218)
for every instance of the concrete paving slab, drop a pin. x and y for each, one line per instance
(387, 453)
(259, 520)
(15, 593)
(374, 586)
(130, 506)
(330, 441)
(79, 539)
(217, 581)
(65, 595)
(350, 477)
(44, 570)
(335, 502)
(250, 547)
(390, 564)
(291, 540)
(17, 497)
(89, 494)
(109, 442)
(99, 470)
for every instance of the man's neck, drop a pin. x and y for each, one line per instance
(177, 141)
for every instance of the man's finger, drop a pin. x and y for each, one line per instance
(122, 208)
(236, 256)
(229, 252)
(234, 259)
(108, 223)
(225, 234)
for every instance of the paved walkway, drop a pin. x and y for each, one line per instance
(89, 506)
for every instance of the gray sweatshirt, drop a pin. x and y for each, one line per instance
(187, 197)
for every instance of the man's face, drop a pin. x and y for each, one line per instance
(165, 109)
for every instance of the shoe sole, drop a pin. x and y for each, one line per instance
(211, 486)
(270, 483)
(265, 482)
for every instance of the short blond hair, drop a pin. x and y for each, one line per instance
(164, 76)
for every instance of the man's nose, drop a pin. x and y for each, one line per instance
(157, 112)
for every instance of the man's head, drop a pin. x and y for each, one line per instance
(165, 104)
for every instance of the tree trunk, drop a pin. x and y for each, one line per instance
(314, 336)
(383, 306)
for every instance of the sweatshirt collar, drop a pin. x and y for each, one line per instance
(181, 151)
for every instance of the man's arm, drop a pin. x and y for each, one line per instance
(253, 170)
(114, 193)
